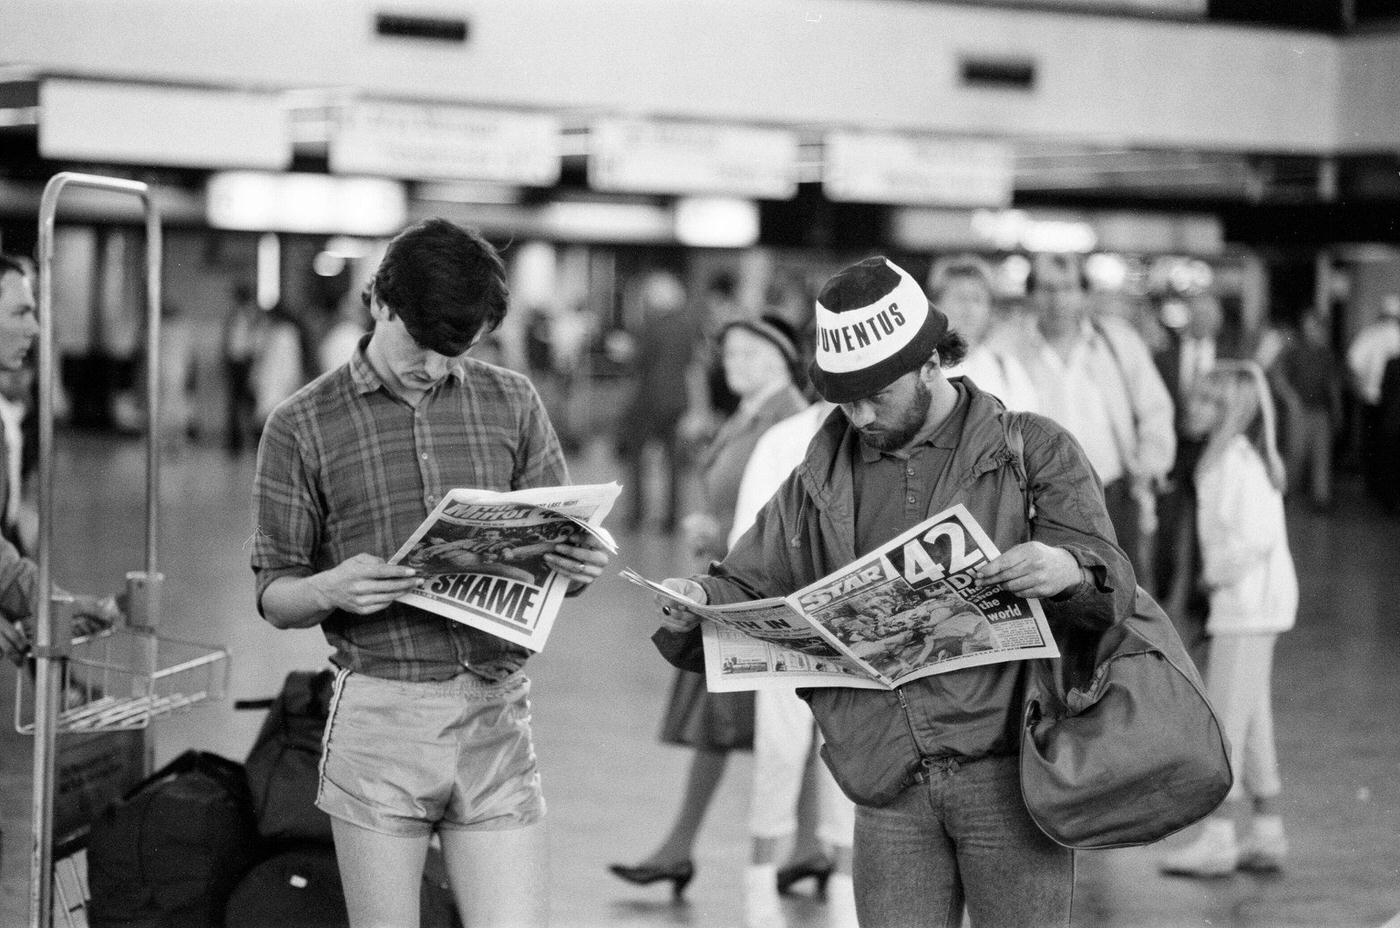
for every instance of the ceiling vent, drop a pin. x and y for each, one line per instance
(989, 73)
(428, 28)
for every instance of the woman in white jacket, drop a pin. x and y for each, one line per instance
(1248, 572)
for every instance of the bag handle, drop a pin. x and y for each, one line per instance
(227, 772)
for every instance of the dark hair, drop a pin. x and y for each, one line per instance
(1070, 258)
(9, 263)
(779, 333)
(12, 265)
(952, 349)
(958, 267)
(446, 282)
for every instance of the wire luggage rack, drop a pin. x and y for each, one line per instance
(123, 679)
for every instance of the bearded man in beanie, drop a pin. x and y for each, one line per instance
(932, 766)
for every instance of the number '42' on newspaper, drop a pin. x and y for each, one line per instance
(907, 610)
(482, 554)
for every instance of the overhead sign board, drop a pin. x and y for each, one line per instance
(920, 229)
(644, 156)
(1173, 8)
(310, 203)
(440, 142)
(876, 167)
(175, 126)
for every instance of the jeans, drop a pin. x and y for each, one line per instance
(961, 837)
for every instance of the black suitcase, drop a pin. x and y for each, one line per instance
(169, 853)
(301, 887)
(284, 763)
(298, 887)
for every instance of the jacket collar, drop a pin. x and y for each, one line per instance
(827, 475)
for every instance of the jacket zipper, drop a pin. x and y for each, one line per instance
(918, 775)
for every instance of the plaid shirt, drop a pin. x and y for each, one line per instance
(346, 467)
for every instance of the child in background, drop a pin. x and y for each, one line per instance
(1248, 573)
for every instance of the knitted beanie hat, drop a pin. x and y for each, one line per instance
(874, 325)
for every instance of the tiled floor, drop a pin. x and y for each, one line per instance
(599, 691)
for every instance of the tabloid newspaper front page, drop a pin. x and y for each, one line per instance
(907, 610)
(483, 555)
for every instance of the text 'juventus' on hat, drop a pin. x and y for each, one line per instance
(874, 325)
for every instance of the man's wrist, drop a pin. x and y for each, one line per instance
(1083, 580)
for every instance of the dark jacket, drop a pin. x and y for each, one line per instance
(877, 740)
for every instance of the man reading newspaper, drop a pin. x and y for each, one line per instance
(932, 766)
(430, 722)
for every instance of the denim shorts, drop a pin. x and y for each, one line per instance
(407, 758)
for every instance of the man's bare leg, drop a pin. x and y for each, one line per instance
(500, 878)
(383, 875)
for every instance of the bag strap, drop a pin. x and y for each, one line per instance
(1045, 690)
(1016, 442)
(1125, 445)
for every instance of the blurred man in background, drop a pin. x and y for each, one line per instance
(1371, 350)
(1305, 377)
(663, 355)
(1096, 378)
(962, 289)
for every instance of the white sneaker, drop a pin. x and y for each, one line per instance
(1212, 854)
(762, 906)
(1264, 847)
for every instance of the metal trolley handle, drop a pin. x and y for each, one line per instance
(48, 660)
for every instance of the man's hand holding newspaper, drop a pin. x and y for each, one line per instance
(675, 616)
(1032, 570)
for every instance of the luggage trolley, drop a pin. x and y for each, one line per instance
(121, 679)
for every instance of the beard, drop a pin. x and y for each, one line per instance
(902, 430)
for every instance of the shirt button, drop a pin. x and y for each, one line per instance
(432, 500)
(424, 455)
(909, 471)
(912, 501)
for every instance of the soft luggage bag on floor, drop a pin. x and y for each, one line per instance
(283, 765)
(169, 853)
(300, 886)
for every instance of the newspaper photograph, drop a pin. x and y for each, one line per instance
(907, 610)
(482, 554)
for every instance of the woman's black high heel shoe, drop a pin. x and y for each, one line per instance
(679, 874)
(817, 867)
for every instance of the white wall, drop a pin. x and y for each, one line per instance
(870, 63)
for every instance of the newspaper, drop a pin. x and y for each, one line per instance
(910, 609)
(483, 552)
